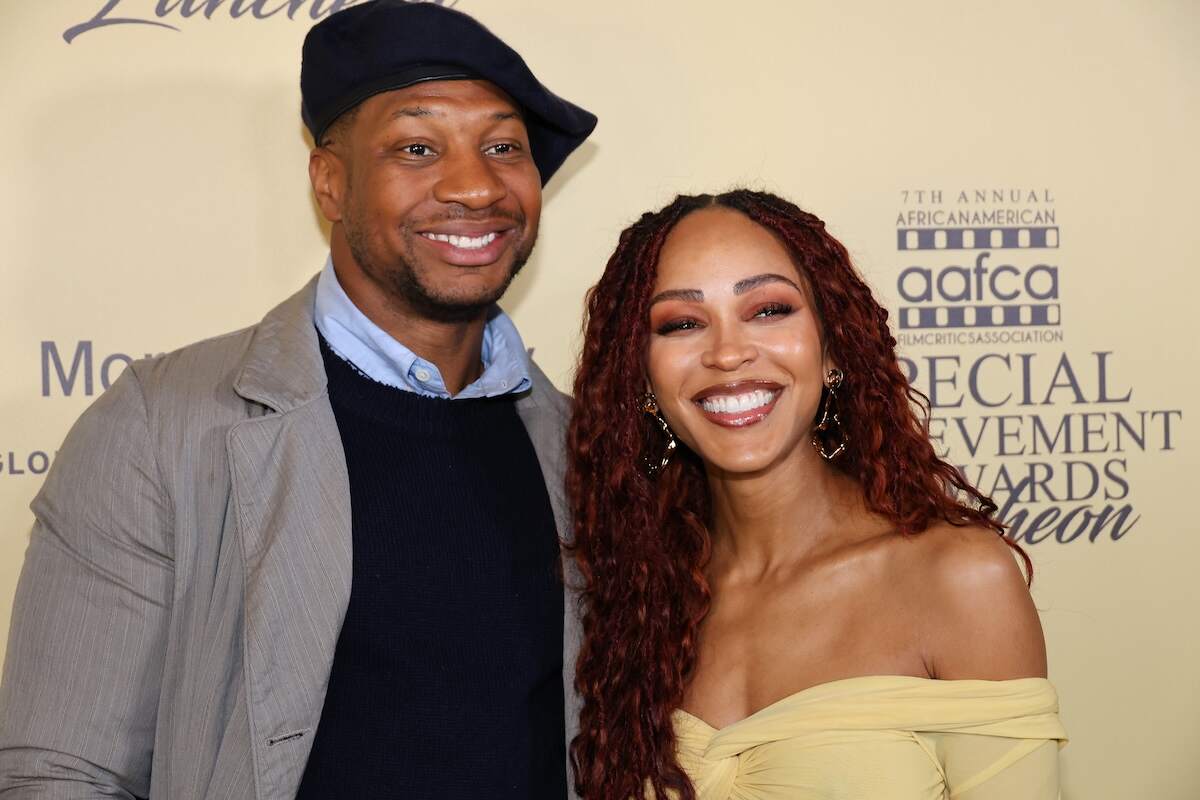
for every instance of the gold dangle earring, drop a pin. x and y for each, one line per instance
(829, 437)
(654, 466)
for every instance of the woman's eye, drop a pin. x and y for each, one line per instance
(676, 325)
(774, 310)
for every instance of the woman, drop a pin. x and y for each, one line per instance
(787, 594)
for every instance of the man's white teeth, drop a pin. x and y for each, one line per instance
(737, 403)
(463, 242)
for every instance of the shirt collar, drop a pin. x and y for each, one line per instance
(380, 357)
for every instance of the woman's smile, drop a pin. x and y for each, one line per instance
(740, 404)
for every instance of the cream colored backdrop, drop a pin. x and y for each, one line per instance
(155, 194)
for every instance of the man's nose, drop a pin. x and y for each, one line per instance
(470, 180)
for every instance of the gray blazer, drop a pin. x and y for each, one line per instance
(187, 576)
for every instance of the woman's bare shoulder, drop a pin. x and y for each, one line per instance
(978, 618)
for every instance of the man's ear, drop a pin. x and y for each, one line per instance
(328, 174)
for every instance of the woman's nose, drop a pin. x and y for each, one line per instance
(729, 350)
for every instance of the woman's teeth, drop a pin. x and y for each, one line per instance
(463, 242)
(737, 403)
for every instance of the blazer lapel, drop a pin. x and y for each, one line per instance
(546, 423)
(545, 416)
(291, 507)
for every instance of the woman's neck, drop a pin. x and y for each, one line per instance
(786, 513)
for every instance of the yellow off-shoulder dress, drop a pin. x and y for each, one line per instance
(884, 738)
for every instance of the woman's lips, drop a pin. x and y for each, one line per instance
(739, 405)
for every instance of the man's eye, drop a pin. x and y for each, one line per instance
(417, 149)
(502, 149)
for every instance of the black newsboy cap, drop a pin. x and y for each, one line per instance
(383, 45)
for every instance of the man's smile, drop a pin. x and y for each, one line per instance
(464, 247)
(463, 242)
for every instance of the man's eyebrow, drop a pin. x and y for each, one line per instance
(414, 111)
(689, 295)
(746, 284)
(421, 111)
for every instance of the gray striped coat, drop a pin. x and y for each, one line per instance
(188, 572)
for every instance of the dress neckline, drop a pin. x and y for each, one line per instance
(843, 686)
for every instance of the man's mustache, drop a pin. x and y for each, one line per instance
(458, 213)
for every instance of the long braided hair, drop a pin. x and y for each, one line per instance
(642, 545)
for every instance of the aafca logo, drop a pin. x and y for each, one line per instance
(1053, 434)
(979, 267)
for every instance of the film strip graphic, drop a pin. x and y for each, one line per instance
(1015, 315)
(1018, 315)
(1024, 238)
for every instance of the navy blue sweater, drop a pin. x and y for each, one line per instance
(447, 679)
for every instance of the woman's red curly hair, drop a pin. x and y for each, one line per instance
(642, 544)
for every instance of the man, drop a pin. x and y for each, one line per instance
(319, 557)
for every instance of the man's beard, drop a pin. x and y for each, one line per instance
(402, 281)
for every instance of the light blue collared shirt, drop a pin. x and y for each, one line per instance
(383, 359)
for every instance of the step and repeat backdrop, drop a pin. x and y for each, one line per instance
(1017, 180)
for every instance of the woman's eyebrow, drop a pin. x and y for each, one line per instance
(689, 295)
(746, 284)
(741, 287)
